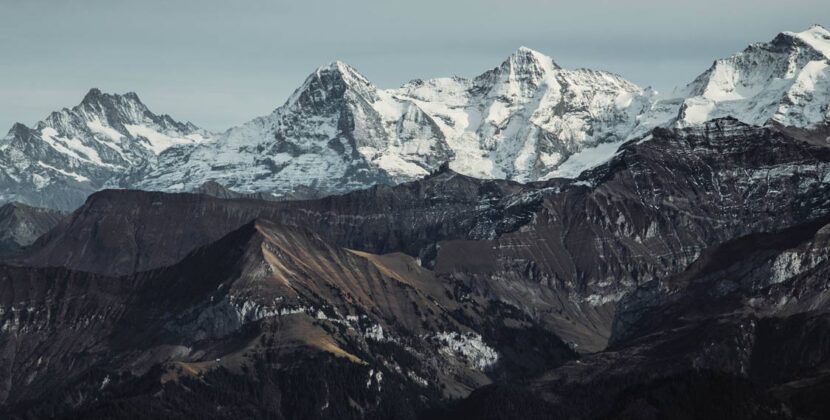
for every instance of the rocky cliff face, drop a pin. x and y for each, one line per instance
(741, 333)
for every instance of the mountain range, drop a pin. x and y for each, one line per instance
(526, 120)
(533, 243)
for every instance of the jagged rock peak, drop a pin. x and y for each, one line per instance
(343, 70)
(328, 81)
(521, 73)
(17, 129)
(93, 95)
(96, 105)
(523, 65)
(525, 56)
(96, 97)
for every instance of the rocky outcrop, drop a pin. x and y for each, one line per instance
(21, 225)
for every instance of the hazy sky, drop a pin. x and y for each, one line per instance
(220, 63)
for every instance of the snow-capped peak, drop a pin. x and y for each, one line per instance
(817, 37)
(96, 96)
(785, 81)
(86, 146)
(525, 56)
(525, 69)
(121, 123)
(110, 110)
(519, 76)
(345, 71)
(336, 132)
(333, 80)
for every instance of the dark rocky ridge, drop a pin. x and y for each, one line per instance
(21, 225)
(742, 333)
(121, 231)
(215, 189)
(268, 298)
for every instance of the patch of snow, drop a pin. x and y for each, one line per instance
(599, 300)
(79, 178)
(97, 127)
(468, 345)
(789, 264)
(376, 333)
(158, 142)
(104, 383)
(375, 377)
(250, 311)
(397, 166)
(585, 159)
(70, 146)
(40, 181)
(417, 379)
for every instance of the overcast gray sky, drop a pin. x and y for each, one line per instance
(220, 63)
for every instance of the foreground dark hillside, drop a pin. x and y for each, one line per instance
(264, 300)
